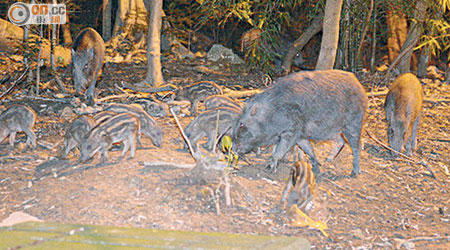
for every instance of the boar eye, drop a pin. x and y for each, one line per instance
(86, 66)
(241, 125)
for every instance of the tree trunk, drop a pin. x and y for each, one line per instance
(66, 33)
(52, 45)
(330, 35)
(413, 36)
(129, 13)
(374, 39)
(363, 36)
(154, 74)
(423, 62)
(397, 32)
(106, 28)
(298, 44)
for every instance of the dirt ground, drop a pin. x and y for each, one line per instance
(391, 202)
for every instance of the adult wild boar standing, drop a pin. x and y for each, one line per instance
(88, 51)
(304, 106)
(403, 107)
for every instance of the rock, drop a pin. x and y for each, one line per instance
(170, 43)
(16, 218)
(67, 112)
(220, 53)
(433, 72)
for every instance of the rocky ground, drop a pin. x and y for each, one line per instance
(392, 204)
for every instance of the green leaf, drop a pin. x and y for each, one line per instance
(227, 143)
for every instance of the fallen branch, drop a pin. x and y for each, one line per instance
(191, 150)
(411, 160)
(440, 140)
(376, 94)
(401, 242)
(168, 87)
(215, 199)
(60, 100)
(425, 99)
(216, 139)
(15, 83)
(241, 94)
(167, 164)
(59, 83)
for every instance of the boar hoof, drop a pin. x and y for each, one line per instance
(354, 174)
(316, 170)
(272, 166)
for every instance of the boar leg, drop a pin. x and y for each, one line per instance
(132, 147)
(68, 146)
(355, 144)
(104, 154)
(194, 107)
(338, 145)
(412, 141)
(210, 140)
(284, 145)
(306, 146)
(126, 147)
(90, 93)
(31, 138)
(193, 139)
(12, 139)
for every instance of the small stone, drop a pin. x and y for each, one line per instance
(409, 245)
(67, 112)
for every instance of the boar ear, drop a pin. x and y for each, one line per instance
(254, 110)
(105, 137)
(90, 52)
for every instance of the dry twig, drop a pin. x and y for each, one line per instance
(409, 159)
(401, 242)
(15, 83)
(191, 150)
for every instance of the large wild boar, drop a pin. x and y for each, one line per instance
(403, 107)
(88, 51)
(304, 106)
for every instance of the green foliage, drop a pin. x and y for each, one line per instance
(232, 157)
(267, 16)
(226, 21)
(436, 35)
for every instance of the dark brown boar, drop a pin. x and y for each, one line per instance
(88, 51)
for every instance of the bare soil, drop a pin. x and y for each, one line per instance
(390, 202)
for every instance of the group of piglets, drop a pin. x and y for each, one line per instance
(116, 123)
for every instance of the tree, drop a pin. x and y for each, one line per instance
(129, 14)
(297, 46)
(397, 30)
(330, 35)
(106, 29)
(413, 37)
(154, 74)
